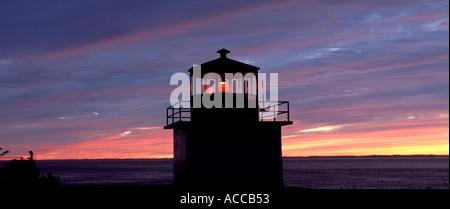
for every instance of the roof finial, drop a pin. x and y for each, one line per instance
(223, 53)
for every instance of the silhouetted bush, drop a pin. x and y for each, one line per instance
(49, 180)
(25, 173)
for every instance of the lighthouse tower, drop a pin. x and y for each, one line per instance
(235, 142)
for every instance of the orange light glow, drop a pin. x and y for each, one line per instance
(222, 87)
(402, 137)
(408, 141)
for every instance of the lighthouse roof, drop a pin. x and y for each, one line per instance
(223, 64)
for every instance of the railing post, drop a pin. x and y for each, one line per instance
(173, 116)
(167, 116)
(289, 119)
(179, 112)
(274, 114)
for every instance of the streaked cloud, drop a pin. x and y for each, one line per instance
(322, 129)
(125, 133)
(441, 24)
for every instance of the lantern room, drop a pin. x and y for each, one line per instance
(224, 88)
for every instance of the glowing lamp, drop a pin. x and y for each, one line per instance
(222, 87)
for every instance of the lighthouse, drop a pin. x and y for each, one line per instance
(226, 134)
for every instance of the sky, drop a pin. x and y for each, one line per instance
(90, 79)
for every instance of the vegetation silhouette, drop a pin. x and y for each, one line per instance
(4, 152)
(24, 173)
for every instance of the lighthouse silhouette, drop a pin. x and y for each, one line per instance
(235, 146)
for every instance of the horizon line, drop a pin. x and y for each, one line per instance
(312, 156)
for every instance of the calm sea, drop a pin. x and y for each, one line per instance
(323, 173)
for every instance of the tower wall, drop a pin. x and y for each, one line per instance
(228, 154)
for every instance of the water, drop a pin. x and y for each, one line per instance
(320, 173)
(368, 173)
(110, 172)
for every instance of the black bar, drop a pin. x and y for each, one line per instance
(289, 119)
(173, 115)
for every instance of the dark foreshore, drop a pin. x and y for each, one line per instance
(307, 171)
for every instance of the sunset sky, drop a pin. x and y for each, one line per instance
(90, 79)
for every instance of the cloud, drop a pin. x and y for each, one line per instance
(322, 129)
(441, 24)
(329, 52)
